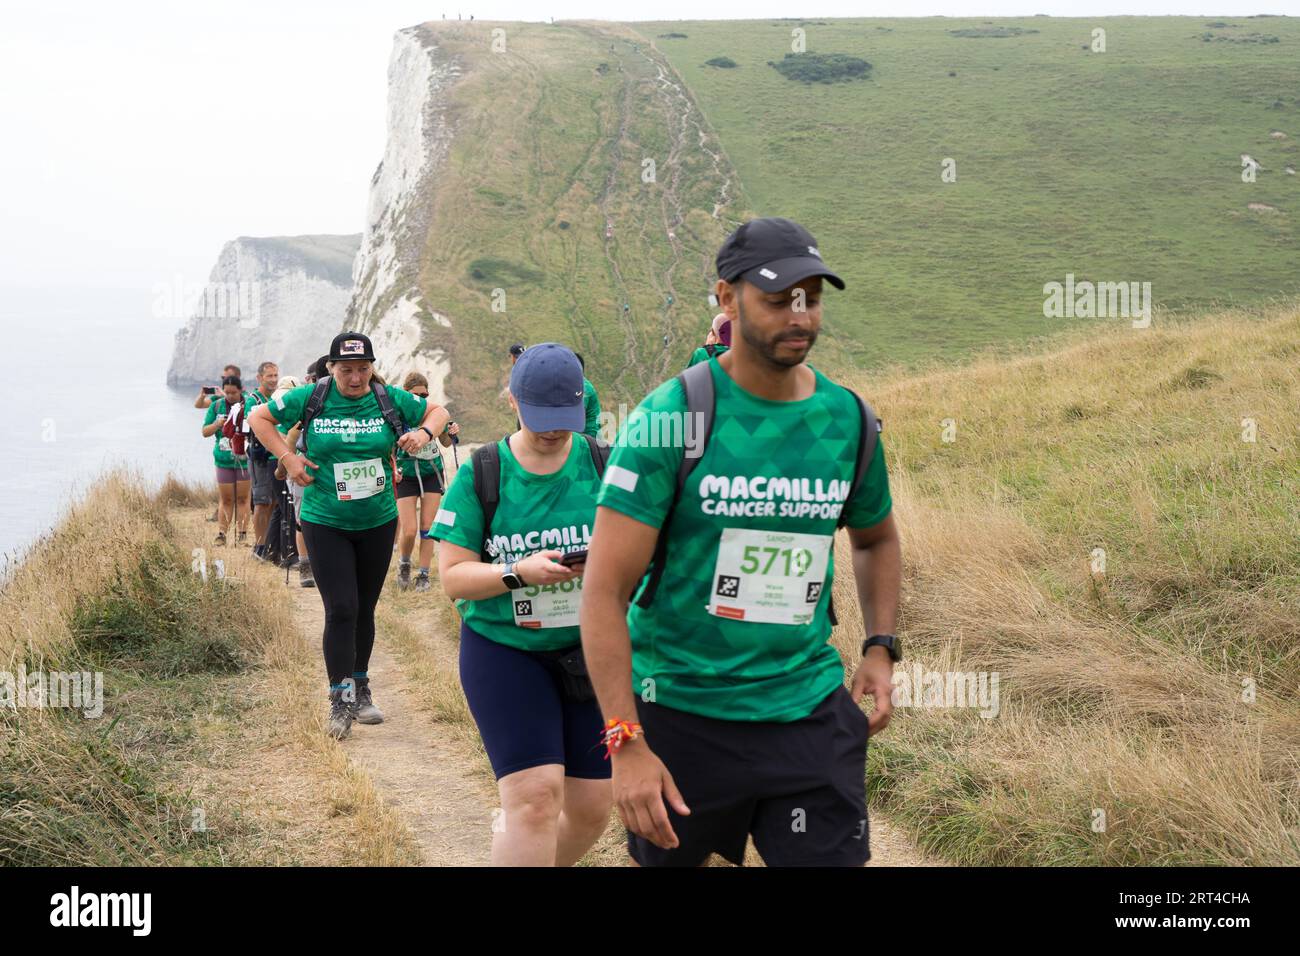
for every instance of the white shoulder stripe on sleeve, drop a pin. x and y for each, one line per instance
(445, 517)
(620, 477)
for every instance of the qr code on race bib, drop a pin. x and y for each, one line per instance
(814, 592)
(728, 586)
(523, 609)
(341, 485)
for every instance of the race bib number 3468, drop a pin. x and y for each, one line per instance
(548, 605)
(770, 576)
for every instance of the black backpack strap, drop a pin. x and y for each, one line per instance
(315, 404)
(487, 487)
(599, 454)
(386, 409)
(697, 383)
(868, 436)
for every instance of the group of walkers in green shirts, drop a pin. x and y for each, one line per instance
(644, 625)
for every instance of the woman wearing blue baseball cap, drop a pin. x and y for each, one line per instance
(513, 532)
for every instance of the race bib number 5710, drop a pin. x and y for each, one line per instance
(775, 577)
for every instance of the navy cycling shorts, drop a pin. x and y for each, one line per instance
(525, 719)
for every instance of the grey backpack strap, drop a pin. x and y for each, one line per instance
(487, 487)
(868, 435)
(697, 383)
(869, 427)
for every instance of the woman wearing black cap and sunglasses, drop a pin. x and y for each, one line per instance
(352, 423)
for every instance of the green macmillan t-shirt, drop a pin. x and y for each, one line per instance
(591, 406)
(427, 465)
(739, 626)
(222, 452)
(536, 513)
(702, 354)
(352, 444)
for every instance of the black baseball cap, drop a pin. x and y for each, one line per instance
(351, 347)
(517, 349)
(774, 254)
(546, 382)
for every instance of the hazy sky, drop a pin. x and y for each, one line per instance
(140, 136)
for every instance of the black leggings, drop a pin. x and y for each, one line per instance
(350, 567)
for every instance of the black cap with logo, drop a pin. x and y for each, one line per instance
(773, 254)
(351, 347)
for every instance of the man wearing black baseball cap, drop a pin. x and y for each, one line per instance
(724, 703)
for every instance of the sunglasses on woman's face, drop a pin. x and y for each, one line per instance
(424, 394)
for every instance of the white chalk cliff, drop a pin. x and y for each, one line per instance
(386, 300)
(279, 299)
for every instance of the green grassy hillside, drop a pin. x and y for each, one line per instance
(1115, 166)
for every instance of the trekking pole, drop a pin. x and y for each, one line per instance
(455, 455)
(285, 530)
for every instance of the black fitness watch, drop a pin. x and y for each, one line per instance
(889, 642)
(427, 432)
(511, 580)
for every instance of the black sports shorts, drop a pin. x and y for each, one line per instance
(409, 486)
(799, 788)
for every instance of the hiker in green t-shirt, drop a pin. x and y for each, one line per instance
(262, 463)
(352, 424)
(723, 698)
(420, 486)
(210, 393)
(232, 472)
(590, 403)
(715, 343)
(512, 514)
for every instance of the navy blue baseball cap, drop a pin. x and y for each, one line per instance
(773, 254)
(546, 381)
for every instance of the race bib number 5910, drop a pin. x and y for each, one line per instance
(354, 480)
(775, 577)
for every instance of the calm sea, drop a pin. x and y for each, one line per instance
(85, 391)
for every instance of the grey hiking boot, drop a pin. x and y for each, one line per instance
(364, 710)
(403, 576)
(422, 582)
(340, 723)
(305, 577)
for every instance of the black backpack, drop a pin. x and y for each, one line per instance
(256, 450)
(316, 403)
(697, 383)
(487, 480)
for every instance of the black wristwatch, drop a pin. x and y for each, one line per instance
(511, 580)
(889, 642)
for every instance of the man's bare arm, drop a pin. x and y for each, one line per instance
(878, 572)
(620, 551)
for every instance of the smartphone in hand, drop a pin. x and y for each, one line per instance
(574, 557)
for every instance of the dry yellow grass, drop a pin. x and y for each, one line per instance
(208, 685)
(1160, 691)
